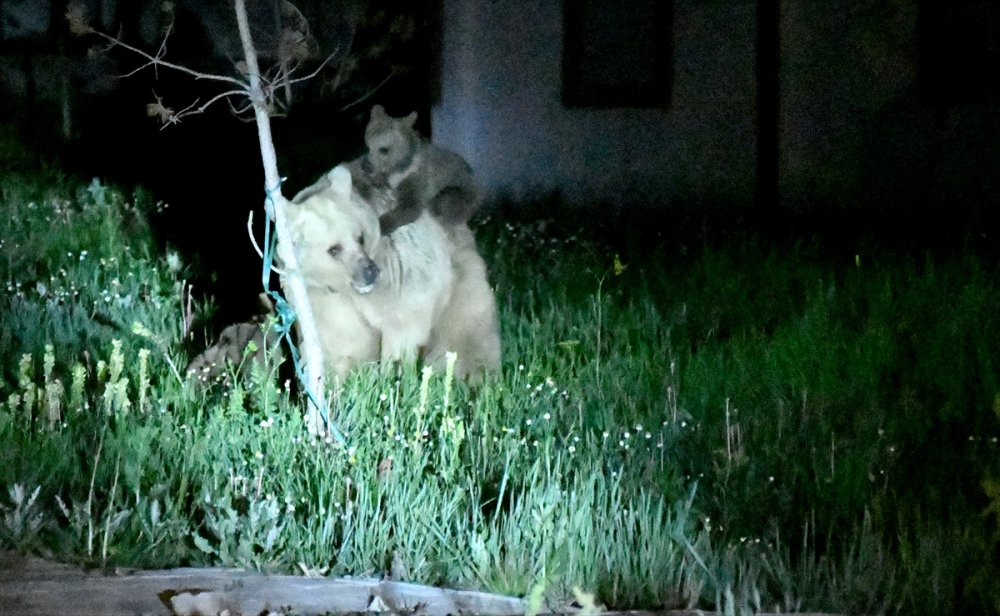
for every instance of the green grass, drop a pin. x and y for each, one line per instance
(735, 427)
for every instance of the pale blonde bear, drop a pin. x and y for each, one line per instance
(469, 324)
(373, 297)
(421, 291)
(345, 337)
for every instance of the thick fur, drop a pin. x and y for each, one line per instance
(232, 351)
(345, 337)
(423, 176)
(412, 260)
(374, 296)
(469, 324)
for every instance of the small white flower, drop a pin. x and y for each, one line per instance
(174, 263)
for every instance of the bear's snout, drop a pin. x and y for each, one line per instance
(378, 179)
(365, 275)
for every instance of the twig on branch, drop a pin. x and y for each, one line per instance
(253, 240)
(370, 92)
(315, 72)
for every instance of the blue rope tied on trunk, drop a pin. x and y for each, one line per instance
(286, 315)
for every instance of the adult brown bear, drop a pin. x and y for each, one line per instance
(419, 291)
(373, 296)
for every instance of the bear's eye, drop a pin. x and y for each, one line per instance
(361, 241)
(383, 150)
(334, 250)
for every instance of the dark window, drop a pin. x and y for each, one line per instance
(617, 53)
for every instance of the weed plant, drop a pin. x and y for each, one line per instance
(740, 428)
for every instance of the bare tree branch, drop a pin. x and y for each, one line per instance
(76, 15)
(168, 116)
(296, 45)
(315, 72)
(369, 93)
(260, 91)
(256, 246)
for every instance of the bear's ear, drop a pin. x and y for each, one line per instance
(410, 120)
(340, 180)
(378, 112)
(318, 186)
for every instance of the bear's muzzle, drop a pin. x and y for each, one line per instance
(365, 275)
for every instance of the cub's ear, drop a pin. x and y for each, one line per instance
(411, 119)
(340, 180)
(378, 112)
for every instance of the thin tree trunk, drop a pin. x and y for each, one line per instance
(276, 203)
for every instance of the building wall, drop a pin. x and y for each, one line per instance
(851, 119)
(501, 108)
(889, 108)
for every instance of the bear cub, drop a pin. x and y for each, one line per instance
(423, 176)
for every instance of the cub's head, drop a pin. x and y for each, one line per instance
(333, 231)
(392, 142)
